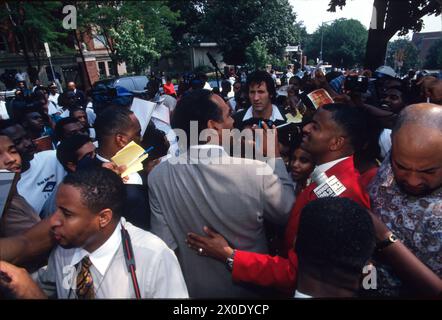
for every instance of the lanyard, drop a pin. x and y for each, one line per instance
(130, 260)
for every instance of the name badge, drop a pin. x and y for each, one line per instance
(332, 187)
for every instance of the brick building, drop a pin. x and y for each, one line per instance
(93, 64)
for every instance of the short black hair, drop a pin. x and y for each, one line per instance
(67, 149)
(262, 76)
(75, 109)
(29, 108)
(7, 123)
(100, 189)
(195, 106)
(353, 121)
(59, 126)
(112, 121)
(335, 234)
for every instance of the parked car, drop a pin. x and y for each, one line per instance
(134, 84)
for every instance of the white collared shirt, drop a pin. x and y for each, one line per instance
(157, 268)
(325, 166)
(276, 114)
(300, 295)
(102, 257)
(134, 178)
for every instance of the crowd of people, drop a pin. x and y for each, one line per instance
(342, 199)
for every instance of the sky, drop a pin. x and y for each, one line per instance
(314, 12)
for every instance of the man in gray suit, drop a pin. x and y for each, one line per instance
(207, 187)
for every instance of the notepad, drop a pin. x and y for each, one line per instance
(132, 156)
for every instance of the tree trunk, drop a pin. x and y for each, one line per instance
(114, 64)
(376, 48)
(378, 36)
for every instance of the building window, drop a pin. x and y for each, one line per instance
(110, 67)
(99, 41)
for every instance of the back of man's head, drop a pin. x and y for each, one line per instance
(196, 106)
(67, 150)
(100, 189)
(352, 121)
(336, 236)
(7, 123)
(111, 121)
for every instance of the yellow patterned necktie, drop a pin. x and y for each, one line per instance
(85, 283)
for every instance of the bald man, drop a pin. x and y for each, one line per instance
(407, 192)
(79, 95)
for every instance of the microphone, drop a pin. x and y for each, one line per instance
(327, 186)
(212, 60)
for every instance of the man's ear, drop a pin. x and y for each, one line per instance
(105, 217)
(120, 140)
(71, 166)
(337, 143)
(212, 124)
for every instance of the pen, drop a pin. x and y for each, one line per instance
(141, 155)
(283, 125)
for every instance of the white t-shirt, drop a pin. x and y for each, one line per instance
(3, 111)
(54, 97)
(53, 108)
(39, 181)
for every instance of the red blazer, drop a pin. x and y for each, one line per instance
(280, 272)
(368, 176)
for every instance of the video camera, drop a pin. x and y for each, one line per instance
(356, 83)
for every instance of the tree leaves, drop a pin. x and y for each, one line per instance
(234, 25)
(343, 43)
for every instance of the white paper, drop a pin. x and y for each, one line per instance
(143, 111)
(162, 113)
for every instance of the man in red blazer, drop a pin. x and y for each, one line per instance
(332, 138)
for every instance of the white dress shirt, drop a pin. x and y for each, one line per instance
(157, 268)
(276, 115)
(325, 166)
(300, 295)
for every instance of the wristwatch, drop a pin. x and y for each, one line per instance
(386, 242)
(229, 261)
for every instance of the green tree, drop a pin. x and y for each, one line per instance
(34, 23)
(434, 57)
(234, 25)
(257, 55)
(392, 16)
(403, 55)
(155, 18)
(343, 43)
(133, 47)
